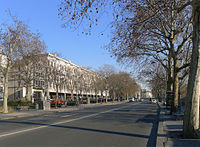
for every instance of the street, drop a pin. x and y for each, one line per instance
(126, 124)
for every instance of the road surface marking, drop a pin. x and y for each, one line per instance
(67, 115)
(62, 122)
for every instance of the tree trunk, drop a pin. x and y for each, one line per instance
(191, 116)
(5, 100)
(72, 98)
(114, 95)
(56, 96)
(47, 93)
(169, 85)
(28, 93)
(106, 97)
(175, 87)
(88, 99)
(96, 96)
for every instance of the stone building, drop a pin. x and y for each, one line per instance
(55, 75)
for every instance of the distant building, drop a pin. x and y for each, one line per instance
(146, 93)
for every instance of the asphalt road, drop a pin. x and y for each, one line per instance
(127, 124)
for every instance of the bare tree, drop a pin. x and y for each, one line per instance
(71, 80)
(26, 70)
(14, 44)
(56, 77)
(156, 79)
(105, 72)
(191, 116)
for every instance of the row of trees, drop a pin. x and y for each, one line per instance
(120, 84)
(145, 32)
(156, 77)
(82, 81)
(24, 61)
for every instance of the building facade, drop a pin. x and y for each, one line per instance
(53, 77)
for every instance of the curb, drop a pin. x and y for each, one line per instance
(162, 134)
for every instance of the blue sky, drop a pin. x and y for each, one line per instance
(42, 16)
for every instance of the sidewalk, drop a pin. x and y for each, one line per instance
(27, 113)
(170, 131)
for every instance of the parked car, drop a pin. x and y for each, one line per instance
(84, 101)
(154, 101)
(141, 100)
(131, 99)
(71, 102)
(59, 103)
(109, 99)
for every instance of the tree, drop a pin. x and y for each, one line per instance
(26, 70)
(56, 77)
(191, 115)
(88, 85)
(155, 76)
(105, 72)
(122, 85)
(14, 42)
(71, 80)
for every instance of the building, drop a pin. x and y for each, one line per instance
(146, 94)
(53, 77)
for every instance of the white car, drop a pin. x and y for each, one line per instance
(154, 101)
(131, 99)
(141, 100)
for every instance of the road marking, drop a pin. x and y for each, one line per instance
(62, 122)
(67, 115)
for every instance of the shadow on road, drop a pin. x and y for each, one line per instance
(77, 128)
(154, 119)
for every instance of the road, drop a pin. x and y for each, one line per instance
(127, 124)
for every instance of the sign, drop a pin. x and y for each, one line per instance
(170, 91)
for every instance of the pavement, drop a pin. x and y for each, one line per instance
(170, 131)
(28, 113)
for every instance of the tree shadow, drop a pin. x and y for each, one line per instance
(77, 128)
(174, 126)
(154, 119)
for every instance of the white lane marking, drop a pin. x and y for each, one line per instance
(67, 115)
(62, 122)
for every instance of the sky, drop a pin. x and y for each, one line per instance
(42, 16)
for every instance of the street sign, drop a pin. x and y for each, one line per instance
(170, 91)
